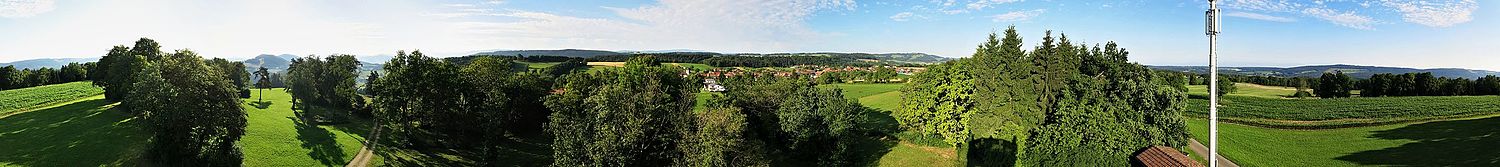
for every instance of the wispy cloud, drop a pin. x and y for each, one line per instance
(1263, 5)
(747, 25)
(903, 16)
(24, 8)
(1017, 15)
(1431, 13)
(981, 4)
(1435, 14)
(1346, 19)
(947, 7)
(1258, 16)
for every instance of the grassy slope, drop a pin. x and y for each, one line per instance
(17, 100)
(86, 132)
(539, 65)
(275, 135)
(887, 98)
(856, 91)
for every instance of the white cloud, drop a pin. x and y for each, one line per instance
(1435, 14)
(748, 25)
(1346, 19)
(1017, 15)
(903, 16)
(1258, 16)
(24, 8)
(981, 4)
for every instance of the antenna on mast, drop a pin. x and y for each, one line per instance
(1212, 22)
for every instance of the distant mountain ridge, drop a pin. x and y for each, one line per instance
(915, 58)
(47, 62)
(1356, 71)
(565, 53)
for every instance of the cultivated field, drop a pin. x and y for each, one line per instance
(1255, 105)
(18, 100)
(1387, 131)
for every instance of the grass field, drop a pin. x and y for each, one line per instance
(900, 149)
(89, 132)
(607, 64)
(18, 100)
(277, 135)
(85, 132)
(694, 66)
(539, 65)
(1466, 142)
(1248, 89)
(856, 91)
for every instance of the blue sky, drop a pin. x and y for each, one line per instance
(1406, 33)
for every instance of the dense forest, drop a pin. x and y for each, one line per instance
(1059, 104)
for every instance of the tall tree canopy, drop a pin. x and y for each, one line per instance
(631, 116)
(192, 109)
(326, 81)
(1060, 104)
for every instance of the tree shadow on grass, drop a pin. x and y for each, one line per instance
(1446, 143)
(261, 104)
(85, 133)
(324, 148)
(878, 140)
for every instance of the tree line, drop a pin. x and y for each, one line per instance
(638, 115)
(12, 78)
(1424, 84)
(881, 74)
(1059, 104)
(190, 105)
(426, 103)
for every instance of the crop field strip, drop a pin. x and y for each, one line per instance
(18, 100)
(1288, 113)
(1260, 129)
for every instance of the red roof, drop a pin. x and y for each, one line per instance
(1163, 156)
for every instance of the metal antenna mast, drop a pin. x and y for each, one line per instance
(1213, 82)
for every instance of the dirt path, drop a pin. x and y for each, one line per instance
(1203, 151)
(362, 159)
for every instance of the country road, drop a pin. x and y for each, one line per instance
(1203, 151)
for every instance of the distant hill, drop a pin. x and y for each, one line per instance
(375, 58)
(288, 56)
(271, 62)
(564, 53)
(1357, 71)
(912, 58)
(49, 63)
